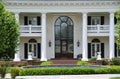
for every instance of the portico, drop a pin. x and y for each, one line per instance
(59, 31)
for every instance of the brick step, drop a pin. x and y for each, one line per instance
(64, 62)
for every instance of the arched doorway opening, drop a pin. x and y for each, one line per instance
(64, 37)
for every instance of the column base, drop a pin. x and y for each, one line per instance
(43, 59)
(16, 59)
(84, 59)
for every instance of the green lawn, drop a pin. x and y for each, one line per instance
(115, 78)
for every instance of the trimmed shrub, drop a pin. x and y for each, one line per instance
(14, 72)
(69, 71)
(104, 61)
(46, 63)
(93, 59)
(115, 78)
(82, 63)
(22, 64)
(115, 61)
(3, 68)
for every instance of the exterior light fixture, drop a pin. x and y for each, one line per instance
(49, 43)
(78, 43)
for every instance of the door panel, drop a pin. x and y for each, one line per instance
(32, 47)
(95, 48)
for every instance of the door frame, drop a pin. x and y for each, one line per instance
(95, 47)
(32, 49)
(61, 39)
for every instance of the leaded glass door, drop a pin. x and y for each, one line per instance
(63, 36)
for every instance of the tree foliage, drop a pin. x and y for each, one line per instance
(9, 32)
(118, 28)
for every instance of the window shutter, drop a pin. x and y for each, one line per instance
(89, 20)
(115, 20)
(115, 45)
(25, 20)
(102, 20)
(25, 50)
(89, 50)
(39, 50)
(38, 20)
(102, 50)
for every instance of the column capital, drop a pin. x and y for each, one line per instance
(85, 12)
(112, 12)
(17, 13)
(43, 12)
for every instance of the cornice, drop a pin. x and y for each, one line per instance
(63, 3)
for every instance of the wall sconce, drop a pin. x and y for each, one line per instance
(78, 43)
(49, 43)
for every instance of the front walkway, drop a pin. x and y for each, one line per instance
(95, 76)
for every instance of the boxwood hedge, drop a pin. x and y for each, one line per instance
(69, 71)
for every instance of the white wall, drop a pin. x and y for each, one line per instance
(51, 18)
(21, 15)
(104, 40)
(25, 40)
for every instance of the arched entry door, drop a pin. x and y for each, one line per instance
(64, 37)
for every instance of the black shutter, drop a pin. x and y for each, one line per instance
(115, 20)
(38, 20)
(115, 45)
(102, 20)
(102, 50)
(89, 50)
(39, 50)
(25, 50)
(25, 20)
(89, 20)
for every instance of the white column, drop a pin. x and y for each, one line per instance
(84, 37)
(44, 40)
(111, 36)
(17, 54)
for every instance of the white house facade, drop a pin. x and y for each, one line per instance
(55, 29)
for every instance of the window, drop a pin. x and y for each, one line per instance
(118, 52)
(95, 20)
(64, 35)
(95, 46)
(32, 47)
(32, 20)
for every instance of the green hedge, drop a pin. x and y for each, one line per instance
(46, 63)
(14, 72)
(69, 71)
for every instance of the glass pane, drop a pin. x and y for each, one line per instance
(93, 49)
(57, 49)
(69, 22)
(98, 48)
(64, 19)
(93, 22)
(57, 42)
(64, 47)
(70, 34)
(57, 32)
(64, 30)
(30, 48)
(70, 48)
(35, 49)
(58, 22)
(34, 21)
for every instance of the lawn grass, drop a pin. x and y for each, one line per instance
(115, 78)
